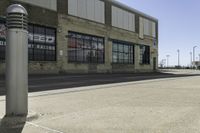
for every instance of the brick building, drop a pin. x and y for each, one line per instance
(86, 36)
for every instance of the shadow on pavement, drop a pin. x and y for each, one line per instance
(60, 81)
(12, 124)
(71, 81)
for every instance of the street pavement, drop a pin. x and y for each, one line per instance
(52, 82)
(162, 105)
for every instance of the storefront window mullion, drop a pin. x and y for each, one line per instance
(89, 49)
(33, 43)
(123, 52)
(76, 48)
(45, 47)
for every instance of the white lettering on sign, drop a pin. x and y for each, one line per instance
(38, 38)
(2, 31)
(2, 43)
(41, 38)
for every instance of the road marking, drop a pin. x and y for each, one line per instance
(43, 127)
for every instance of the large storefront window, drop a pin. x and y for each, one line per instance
(2, 39)
(144, 54)
(42, 43)
(123, 52)
(84, 48)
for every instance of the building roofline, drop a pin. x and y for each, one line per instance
(119, 4)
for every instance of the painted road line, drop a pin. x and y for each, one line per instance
(44, 127)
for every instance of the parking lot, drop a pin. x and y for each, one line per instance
(163, 105)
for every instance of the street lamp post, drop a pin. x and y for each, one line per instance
(199, 57)
(167, 60)
(178, 57)
(163, 61)
(194, 53)
(191, 58)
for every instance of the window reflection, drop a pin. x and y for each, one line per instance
(90, 49)
(123, 52)
(42, 43)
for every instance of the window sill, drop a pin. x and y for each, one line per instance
(85, 63)
(122, 64)
(144, 64)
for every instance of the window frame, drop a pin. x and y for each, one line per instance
(88, 46)
(118, 52)
(3, 43)
(46, 47)
(40, 51)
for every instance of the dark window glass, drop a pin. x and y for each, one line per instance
(123, 52)
(72, 49)
(85, 48)
(2, 40)
(42, 43)
(115, 47)
(144, 54)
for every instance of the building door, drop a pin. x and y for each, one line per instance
(154, 63)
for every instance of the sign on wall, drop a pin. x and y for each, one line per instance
(2, 34)
(2, 31)
(39, 38)
(2, 39)
(41, 42)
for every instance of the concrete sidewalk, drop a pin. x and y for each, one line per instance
(153, 106)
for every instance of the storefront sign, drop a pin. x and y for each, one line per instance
(38, 38)
(2, 35)
(2, 31)
(38, 43)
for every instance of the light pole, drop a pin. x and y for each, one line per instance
(191, 58)
(178, 57)
(167, 60)
(194, 53)
(199, 57)
(162, 63)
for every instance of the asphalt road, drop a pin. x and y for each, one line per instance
(168, 105)
(52, 82)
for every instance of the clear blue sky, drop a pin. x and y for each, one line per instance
(179, 26)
